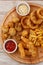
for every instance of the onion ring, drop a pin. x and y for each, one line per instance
(24, 21)
(27, 23)
(34, 18)
(40, 13)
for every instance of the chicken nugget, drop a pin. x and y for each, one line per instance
(15, 19)
(12, 31)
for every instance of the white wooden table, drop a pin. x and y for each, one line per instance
(5, 6)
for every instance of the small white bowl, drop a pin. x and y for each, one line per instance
(6, 42)
(25, 3)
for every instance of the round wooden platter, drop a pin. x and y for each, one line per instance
(16, 55)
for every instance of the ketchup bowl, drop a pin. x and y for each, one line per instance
(10, 46)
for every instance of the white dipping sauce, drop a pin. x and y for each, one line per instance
(22, 9)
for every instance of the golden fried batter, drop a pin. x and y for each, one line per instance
(5, 29)
(34, 18)
(21, 50)
(12, 31)
(15, 19)
(18, 27)
(10, 24)
(28, 23)
(40, 13)
(24, 33)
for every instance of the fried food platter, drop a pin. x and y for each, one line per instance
(11, 15)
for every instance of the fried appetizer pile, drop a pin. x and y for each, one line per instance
(27, 23)
(9, 30)
(28, 47)
(27, 31)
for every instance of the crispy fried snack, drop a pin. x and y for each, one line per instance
(10, 24)
(21, 50)
(24, 22)
(39, 41)
(34, 18)
(40, 13)
(42, 44)
(24, 33)
(24, 45)
(41, 26)
(5, 28)
(12, 31)
(15, 19)
(32, 49)
(32, 36)
(4, 36)
(18, 27)
(24, 39)
(27, 23)
(27, 53)
(39, 31)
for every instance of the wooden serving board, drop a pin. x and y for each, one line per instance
(16, 55)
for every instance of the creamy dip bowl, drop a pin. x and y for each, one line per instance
(22, 8)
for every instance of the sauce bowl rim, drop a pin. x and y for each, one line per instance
(7, 41)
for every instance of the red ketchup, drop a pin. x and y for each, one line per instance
(10, 46)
